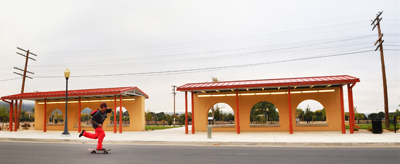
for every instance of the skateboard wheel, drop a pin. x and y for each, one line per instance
(91, 152)
(106, 152)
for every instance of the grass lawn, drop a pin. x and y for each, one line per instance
(150, 127)
(365, 126)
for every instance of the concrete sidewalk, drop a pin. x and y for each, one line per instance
(176, 136)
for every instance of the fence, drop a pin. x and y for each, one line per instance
(369, 121)
(164, 123)
(260, 123)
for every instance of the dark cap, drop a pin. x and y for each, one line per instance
(103, 105)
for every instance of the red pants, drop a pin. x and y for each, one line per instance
(99, 134)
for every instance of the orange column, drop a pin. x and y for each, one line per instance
(115, 113)
(44, 115)
(186, 114)
(120, 113)
(16, 115)
(342, 109)
(237, 112)
(11, 115)
(290, 112)
(79, 117)
(193, 130)
(351, 108)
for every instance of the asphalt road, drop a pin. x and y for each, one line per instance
(32, 153)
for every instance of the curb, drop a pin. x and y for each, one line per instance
(207, 143)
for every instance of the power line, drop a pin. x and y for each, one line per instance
(211, 68)
(10, 79)
(214, 57)
(213, 44)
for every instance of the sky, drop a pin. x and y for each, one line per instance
(156, 44)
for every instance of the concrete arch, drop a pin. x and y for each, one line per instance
(275, 118)
(280, 101)
(209, 110)
(118, 114)
(315, 101)
(76, 118)
(327, 109)
(203, 105)
(330, 102)
(208, 104)
(51, 111)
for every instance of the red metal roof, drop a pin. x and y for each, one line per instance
(283, 82)
(99, 92)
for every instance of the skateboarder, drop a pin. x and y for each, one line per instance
(97, 122)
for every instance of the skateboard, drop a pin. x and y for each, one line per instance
(92, 151)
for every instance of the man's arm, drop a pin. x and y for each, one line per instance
(109, 110)
(94, 122)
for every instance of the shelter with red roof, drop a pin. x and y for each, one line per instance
(284, 93)
(130, 98)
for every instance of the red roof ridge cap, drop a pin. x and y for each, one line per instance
(270, 79)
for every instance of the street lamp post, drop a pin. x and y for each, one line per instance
(66, 74)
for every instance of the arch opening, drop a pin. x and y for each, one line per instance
(220, 114)
(310, 112)
(264, 113)
(56, 117)
(86, 117)
(124, 115)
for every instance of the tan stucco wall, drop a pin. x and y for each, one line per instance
(330, 101)
(135, 108)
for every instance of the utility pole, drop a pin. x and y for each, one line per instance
(24, 76)
(376, 23)
(174, 93)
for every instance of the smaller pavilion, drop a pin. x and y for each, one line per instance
(284, 93)
(130, 98)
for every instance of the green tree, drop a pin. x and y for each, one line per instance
(299, 113)
(148, 115)
(261, 110)
(308, 113)
(229, 117)
(160, 116)
(3, 115)
(381, 115)
(217, 113)
(182, 118)
(169, 121)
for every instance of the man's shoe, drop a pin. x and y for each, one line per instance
(80, 135)
(101, 149)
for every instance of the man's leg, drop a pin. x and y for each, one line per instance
(90, 135)
(100, 135)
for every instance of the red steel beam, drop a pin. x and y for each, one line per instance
(351, 108)
(342, 109)
(79, 125)
(120, 113)
(16, 116)
(354, 122)
(115, 113)
(237, 112)
(290, 112)
(186, 114)
(193, 130)
(45, 110)
(11, 115)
